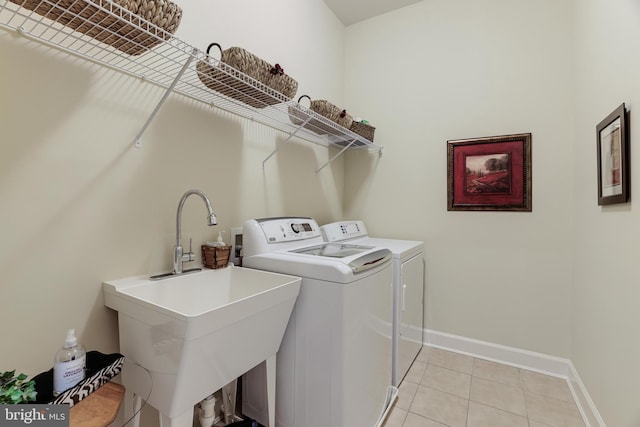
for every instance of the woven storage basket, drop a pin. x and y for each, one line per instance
(324, 108)
(234, 85)
(215, 256)
(363, 129)
(132, 26)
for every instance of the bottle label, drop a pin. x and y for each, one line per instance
(68, 374)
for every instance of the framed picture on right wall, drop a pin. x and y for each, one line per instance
(613, 159)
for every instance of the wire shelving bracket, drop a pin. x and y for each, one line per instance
(172, 65)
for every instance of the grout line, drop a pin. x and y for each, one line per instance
(521, 387)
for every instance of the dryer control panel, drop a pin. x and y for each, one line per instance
(278, 230)
(343, 230)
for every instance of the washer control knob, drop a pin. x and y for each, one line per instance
(295, 227)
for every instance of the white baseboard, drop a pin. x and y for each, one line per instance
(543, 363)
(587, 408)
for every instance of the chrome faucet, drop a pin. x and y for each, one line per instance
(179, 257)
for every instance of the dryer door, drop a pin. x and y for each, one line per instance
(410, 314)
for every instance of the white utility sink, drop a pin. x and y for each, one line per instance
(197, 332)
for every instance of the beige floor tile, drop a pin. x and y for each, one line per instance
(414, 420)
(485, 416)
(395, 418)
(502, 396)
(416, 371)
(450, 360)
(496, 372)
(423, 355)
(537, 424)
(547, 385)
(440, 406)
(555, 412)
(406, 392)
(443, 379)
(449, 389)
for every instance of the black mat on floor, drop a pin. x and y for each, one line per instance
(245, 423)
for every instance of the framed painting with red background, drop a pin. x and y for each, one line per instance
(489, 174)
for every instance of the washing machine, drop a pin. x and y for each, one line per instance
(408, 289)
(334, 363)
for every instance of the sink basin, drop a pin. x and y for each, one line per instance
(196, 333)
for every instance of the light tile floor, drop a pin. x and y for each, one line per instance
(446, 389)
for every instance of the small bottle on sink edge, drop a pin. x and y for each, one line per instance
(69, 364)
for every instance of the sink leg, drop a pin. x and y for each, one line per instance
(183, 420)
(229, 401)
(132, 405)
(271, 389)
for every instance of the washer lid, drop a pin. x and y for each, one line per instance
(357, 257)
(334, 250)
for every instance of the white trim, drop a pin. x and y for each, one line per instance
(587, 408)
(538, 362)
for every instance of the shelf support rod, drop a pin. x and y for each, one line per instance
(291, 135)
(138, 140)
(336, 156)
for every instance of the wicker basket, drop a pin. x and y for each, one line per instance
(221, 79)
(324, 108)
(215, 256)
(131, 26)
(363, 129)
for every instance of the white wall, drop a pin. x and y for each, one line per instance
(80, 205)
(606, 292)
(561, 280)
(442, 70)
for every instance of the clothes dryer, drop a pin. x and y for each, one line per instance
(408, 289)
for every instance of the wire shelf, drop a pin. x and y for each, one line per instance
(169, 63)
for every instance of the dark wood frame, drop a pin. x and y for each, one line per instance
(615, 127)
(515, 194)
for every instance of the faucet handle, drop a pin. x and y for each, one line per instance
(189, 256)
